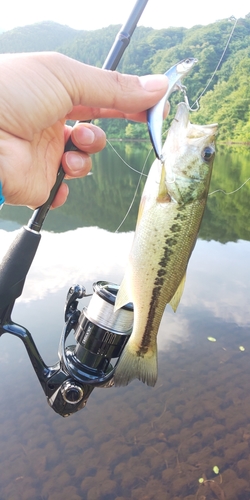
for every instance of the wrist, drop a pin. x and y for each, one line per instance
(2, 199)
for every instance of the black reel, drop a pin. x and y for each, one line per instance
(100, 335)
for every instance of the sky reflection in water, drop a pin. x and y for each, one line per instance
(134, 442)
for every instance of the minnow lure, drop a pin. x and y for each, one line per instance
(155, 114)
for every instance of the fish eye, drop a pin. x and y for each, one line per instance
(207, 153)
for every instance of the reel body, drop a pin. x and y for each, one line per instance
(100, 335)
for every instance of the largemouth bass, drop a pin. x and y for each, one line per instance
(170, 214)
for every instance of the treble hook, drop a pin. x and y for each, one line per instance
(183, 89)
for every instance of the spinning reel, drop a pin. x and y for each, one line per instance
(100, 335)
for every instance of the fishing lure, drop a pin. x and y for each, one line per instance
(155, 114)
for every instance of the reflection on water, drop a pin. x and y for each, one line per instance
(136, 442)
(103, 198)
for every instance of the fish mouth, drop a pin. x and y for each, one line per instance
(181, 122)
(182, 114)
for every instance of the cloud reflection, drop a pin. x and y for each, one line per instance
(217, 280)
(217, 288)
(80, 256)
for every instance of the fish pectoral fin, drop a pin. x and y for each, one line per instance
(122, 297)
(140, 211)
(174, 302)
(163, 195)
(134, 364)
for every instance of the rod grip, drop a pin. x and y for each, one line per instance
(15, 265)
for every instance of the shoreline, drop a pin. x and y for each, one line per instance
(225, 143)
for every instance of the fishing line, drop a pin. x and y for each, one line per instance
(135, 193)
(139, 180)
(141, 173)
(216, 69)
(127, 164)
(195, 102)
(231, 192)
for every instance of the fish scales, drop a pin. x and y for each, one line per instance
(169, 269)
(162, 278)
(170, 214)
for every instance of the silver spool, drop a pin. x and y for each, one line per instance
(101, 309)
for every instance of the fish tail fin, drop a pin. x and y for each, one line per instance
(134, 364)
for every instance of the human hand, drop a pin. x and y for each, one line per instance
(38, 93)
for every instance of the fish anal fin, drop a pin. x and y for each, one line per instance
(122, 297)
(174, 302)
(133, 365)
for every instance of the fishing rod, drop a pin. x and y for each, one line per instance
(100, 334)
(116, 52)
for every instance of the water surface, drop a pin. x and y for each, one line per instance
(136, 442)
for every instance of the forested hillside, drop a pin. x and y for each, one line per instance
(227, 99)
(36, 37)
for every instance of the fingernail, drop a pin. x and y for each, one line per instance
(84, 135)
(154, 82)
(74, 161)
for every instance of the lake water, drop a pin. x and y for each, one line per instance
(136, 442)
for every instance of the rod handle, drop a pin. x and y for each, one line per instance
(15, 265)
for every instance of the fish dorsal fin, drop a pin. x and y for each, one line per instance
(174, 302)
(122, 297)
(163, 195)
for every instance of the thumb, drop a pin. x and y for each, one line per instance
(90, 86)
